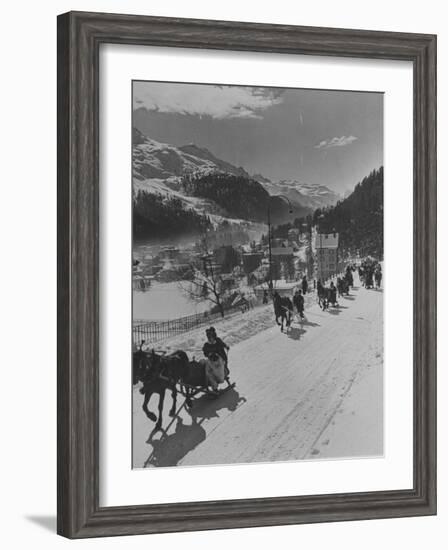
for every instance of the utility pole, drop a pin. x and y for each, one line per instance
(320, 250)
(311, 267)
(270, 247)
(320, 254)
(309, 232)
(271, 286)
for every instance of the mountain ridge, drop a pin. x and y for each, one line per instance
(155, 159)
(158, 160)
(192, 179)
(308, 194)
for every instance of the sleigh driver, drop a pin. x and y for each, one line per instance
(215, 350)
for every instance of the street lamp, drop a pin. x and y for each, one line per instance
(285, 198)
(309, 230)
(320, 218)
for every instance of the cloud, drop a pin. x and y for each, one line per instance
(219, 102)
(336, 142)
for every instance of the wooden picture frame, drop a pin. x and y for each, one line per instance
(79, 38)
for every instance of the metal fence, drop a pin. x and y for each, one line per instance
(156, 331)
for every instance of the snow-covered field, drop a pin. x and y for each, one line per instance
(165, 301)
(316, 392)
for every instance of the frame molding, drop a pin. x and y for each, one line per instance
(80, 35)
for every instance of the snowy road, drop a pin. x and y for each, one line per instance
(314, 393)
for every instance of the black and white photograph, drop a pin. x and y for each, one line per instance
(223, 221)
(257, 274)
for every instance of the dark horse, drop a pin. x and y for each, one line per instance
(158, 373)
(349, 276)
(326, 296)
(323, 295)
(283, 309)
(343, 285)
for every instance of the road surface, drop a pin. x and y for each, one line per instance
(316, 392)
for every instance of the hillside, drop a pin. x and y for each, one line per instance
(358, 218)
(168, 180)
(240, 196)
(206, 155)
(157, 217)
(153, 159)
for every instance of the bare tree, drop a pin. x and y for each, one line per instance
(206, 284)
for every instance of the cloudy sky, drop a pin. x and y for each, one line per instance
(326, 137)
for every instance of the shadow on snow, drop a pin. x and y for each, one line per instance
(336, 310)
(170, 448)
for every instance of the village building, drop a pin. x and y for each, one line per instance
(283, 264)
(251, 261)
(327, 255)
(228, 282)
(171, 253)
(293, 235)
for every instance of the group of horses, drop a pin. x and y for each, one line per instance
(344, 283)
(326, 296)
(370, 273)
(175, 373)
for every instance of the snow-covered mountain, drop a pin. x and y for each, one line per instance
(152, 159)
(308, 194)
(158, 169)
(162, 162)
(190, 183)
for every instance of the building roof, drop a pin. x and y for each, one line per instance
(279, 284)
(324, 240)
(282, 251)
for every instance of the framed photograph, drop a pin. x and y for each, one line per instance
(246, 274)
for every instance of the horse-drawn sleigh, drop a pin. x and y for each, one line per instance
(159, 372)
(370, 273)
(326, 296)
(287, 311)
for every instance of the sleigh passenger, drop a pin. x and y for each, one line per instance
(215, 350)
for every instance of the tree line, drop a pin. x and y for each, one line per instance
(157, 216)
(240, 196)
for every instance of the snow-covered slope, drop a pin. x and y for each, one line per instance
(166, 188)
(202, 153)
(152, 159)
(192, 179)
(162, 162)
